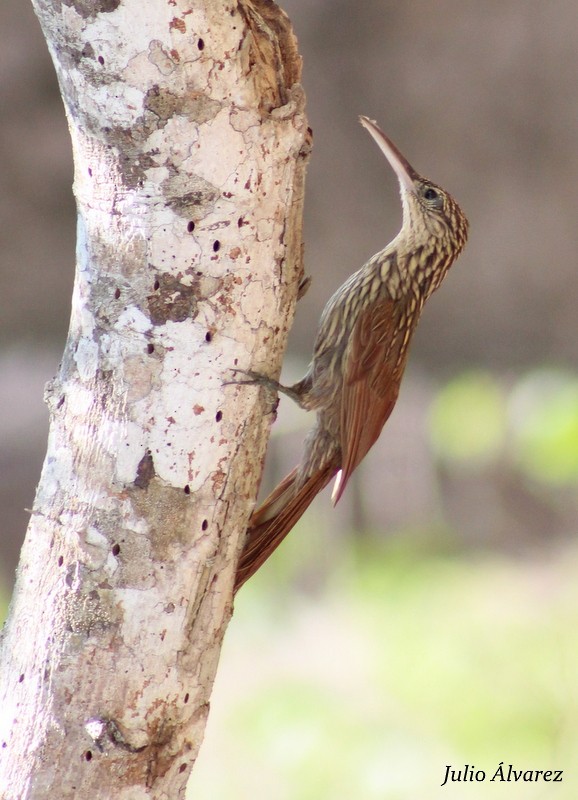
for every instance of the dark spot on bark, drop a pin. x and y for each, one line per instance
(201, 44)
(191, 226)
(187, 489)
(91, 8)
(177, 24)
(88, 755)
(87, 51)
(150, 348)
(186, 698)
(115, 550)
(118, 738)
(182, 768)
(60, 561)
(216, 246)
(116, 293)
(205, 525)
(200, 199)
(219, 416)
(208, 336)
(70, 574)
(21, 678)
(90, 172)
(156, 286)
(174, 301)
(162, 102)
(101, 60)
(145, 471)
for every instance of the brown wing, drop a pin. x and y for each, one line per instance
(372, 374)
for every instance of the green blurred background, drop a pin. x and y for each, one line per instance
(431, 619)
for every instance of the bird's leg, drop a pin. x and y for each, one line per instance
(256, 379)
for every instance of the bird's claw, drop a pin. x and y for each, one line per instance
(273, 386)
(252, 379)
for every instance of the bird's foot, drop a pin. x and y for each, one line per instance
(251, 378)
(257, 379)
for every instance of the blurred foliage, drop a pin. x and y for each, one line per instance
(544, 419)
(468, 418)
(406, 663)
(474, 420)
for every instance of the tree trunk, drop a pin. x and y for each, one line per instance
(190, 142)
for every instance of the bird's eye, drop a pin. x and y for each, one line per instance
(430, 194)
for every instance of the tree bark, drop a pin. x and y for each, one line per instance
(190, 143)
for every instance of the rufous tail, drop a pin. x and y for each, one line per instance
(272, 521)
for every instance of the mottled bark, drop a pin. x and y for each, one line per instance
(190, 144)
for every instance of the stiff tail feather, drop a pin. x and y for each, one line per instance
(272, 521)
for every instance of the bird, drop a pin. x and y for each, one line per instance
(360, 354)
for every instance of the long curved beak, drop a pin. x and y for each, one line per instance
(406, 174)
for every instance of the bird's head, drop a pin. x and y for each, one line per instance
(431, 217)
